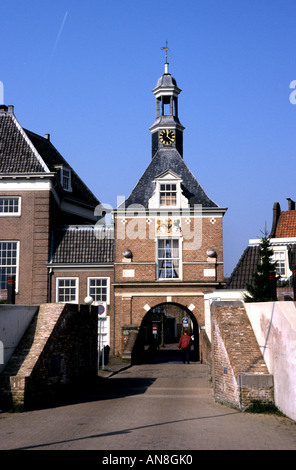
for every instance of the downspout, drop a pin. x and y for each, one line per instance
(50, 271)
(113, 286)
(240, 391)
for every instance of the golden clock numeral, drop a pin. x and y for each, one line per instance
(167, 136)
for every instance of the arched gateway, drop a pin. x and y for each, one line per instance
(168, 240)
(160, 332)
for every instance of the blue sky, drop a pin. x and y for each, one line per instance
(84, 72)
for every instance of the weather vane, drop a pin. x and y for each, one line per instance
(166, 49)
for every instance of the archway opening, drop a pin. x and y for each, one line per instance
(160, 332)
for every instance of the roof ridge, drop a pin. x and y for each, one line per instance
(198, 181)
(30, 143)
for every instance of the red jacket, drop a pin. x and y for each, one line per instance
(185, 342)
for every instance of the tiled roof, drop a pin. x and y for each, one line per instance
(53, 158)
(168, 159)
(242, 273)
(247, 265)
(82, 244)
(23, 151)
(286, 225)
(16, 155)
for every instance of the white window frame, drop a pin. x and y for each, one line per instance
(168, 193)
(275, 258)
(8, 213)
(159, 260)
(65, 278)
(101, 278)
(66, 175)
(16, 273)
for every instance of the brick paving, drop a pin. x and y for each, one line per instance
(153, 407)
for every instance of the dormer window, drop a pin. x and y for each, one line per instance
(168, 195)
(66, 179)
(168, 192)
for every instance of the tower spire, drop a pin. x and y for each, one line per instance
(166, 65)
(166, 131)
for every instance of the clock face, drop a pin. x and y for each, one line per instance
(167, 136)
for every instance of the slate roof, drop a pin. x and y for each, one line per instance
(242, 273)
(22, 151)
(166, 80)
(53, 158)
(168, 159)
(16, 155)
(82, 245)
(247, 265)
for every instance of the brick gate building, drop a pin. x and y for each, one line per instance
(168, 233)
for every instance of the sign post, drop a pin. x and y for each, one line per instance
(101, 317)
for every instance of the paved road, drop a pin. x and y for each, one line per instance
(154, 407)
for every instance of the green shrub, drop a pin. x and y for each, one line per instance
(258, 406)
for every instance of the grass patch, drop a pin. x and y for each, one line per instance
(258, 406)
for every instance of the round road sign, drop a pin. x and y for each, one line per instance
(101, 309)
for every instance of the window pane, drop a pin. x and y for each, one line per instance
(98, 289)
(67, 289)
(279, 258)
(168, 194)
(168, 259)
(9, 205)
(8, 262)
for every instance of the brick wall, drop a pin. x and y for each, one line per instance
(133, 303)
(57, 353)
(142, 243)
(136, 280)
(31, 230)
(41, 246)
(239, 372)
(82, 274)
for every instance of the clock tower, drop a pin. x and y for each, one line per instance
(167, 131)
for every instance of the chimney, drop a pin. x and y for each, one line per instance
(276, 215)
(10, 109)
(47, 136)
(291, 204)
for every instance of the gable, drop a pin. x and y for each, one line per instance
(17, 153)
(168, 175)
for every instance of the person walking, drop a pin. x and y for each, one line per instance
(184, 345)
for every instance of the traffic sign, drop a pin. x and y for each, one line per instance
(101, 309)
